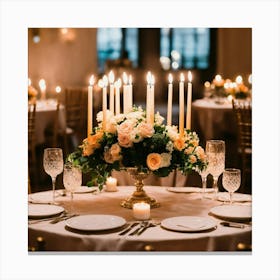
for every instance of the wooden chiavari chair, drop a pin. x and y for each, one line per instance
(243, 115)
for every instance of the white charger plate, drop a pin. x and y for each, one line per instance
(236, 212)
(85, 189)
(236, 197)
(43, 210)
(189, 190)
(95, 222)
(189, 223)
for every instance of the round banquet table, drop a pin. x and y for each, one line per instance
(60, 238)
(211, 120)
(46, 116)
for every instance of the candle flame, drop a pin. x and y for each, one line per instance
(100, 83)
(182, 78)
(130, 80)
(170, 78)
(250, 79)
(218, 77)
(149, 77)
(190, 76)
(125, 78)
(118, 83)
(239, 79)
(111, 77)
(105, 81)
(91, 80)
(57, 89)
(207, 84)
(29, 82)
(42, 84)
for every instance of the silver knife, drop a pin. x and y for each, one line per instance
(129, 228)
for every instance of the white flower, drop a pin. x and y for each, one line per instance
(172, 132)
(135, 116)
(169, 146)
(119, 118)
(158, 119)
(99, 116)
(135, 136)
(165, 159)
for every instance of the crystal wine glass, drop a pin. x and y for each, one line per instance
(231, 181)
(53, 164)
(215, 151)
(203, 174)
(72, 179)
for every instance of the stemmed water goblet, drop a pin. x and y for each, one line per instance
(231, 181)
(215, 152)
(203, 174)
(53, 164)
(72, 179)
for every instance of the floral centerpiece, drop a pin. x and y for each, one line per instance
(129, 141)
(222, 88)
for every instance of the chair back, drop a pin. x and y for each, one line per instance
(243, 114)
(76, 109)
(31, 124)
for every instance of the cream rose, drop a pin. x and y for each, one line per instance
(200, 153)
(145, 130)
(172, 132)
(115, 151)
(153, 161)
(126, 127)
(124, 140)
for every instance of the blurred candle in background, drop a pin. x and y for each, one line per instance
(111, 101)
(125, 93)
(170, 96)
(181, 105)
(29, 82)
(118, 85)
(91, 82)
(189, 103)
(43, 86)
(130, 94)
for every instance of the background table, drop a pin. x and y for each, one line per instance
(59, 238)
(46, 116)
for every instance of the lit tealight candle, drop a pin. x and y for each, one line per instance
(111, 184)
(141, 211)
(42, 85)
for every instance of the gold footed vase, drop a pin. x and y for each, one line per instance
(139, 195)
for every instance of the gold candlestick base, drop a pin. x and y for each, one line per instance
(139, 195)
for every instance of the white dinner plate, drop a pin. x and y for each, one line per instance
(189, 223)
(188, 189)
(85, 189)
(236, 197)
(236, 212)
(43, 210)
(95, 222)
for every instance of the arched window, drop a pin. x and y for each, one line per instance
(185, 48)
(117, 43)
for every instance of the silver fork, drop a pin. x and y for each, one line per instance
(129, 228)
(143, 224)
(150, 224)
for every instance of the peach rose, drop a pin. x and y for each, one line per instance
(115, 151)
(145, 130)
(179, 144)
(154, 161)
(93, 140)
(108, 157)
(124, 140)
(87, 150)
(192, 159)
(189, 150)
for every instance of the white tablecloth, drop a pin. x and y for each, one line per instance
(59, 238)
(45, 116)
(211, 120)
